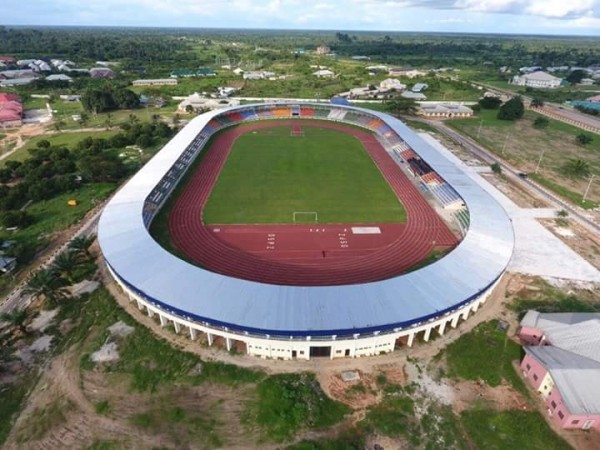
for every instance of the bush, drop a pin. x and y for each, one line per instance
(496, 168)
(584, 139)
(540, 123)
(490, 102)
(512, 109)
(21, 219)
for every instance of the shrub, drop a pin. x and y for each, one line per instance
(512, 109)
(541, 123)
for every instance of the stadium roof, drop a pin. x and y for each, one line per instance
(189, 291)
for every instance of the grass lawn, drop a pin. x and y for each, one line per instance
(486, 353)
(270, 174)
(522, 430)
(67, 139)
(523, 145)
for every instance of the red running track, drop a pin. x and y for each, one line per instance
(298, 257)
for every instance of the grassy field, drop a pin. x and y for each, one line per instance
(464, 356)
(270, 174)
(523, 430)
(523, 145)
(67, 139)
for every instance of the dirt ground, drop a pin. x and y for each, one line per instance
(577, 237)
(522, 198)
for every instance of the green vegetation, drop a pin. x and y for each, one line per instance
(56, 140)
(43, 419)
(12, 397)
(513, 109)
(540, 123)
(584, 139)
(269, 175)
(289, 402)
(499, 430)
(486, 353)
(521, 143)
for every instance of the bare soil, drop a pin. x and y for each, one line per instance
(577, 237)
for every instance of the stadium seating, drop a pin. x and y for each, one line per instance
(464, 219)
(307, 112)
(445, 195)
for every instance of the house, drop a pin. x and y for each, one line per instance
(537, 80)
(18, 73)
(391, 83)
(324, 73)
(419, 87)
(226, 91)
(11, 82)
(102, 72)
(323, 50)
(59, 77)
(587, 82)
(8, 60)
(205, 72)
(413, 95)
(562, 363)
(377, 68)
(200, 103)
(156, 82)
(238, 71)
(361, 58)
(186, 73)
(438, 110)
(7, 264)
(11, 110)
(405, 72)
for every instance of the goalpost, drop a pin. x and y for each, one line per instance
(305, 217)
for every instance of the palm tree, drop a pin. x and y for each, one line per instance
(577, 168)
(58, 125)
(81, 244)
(45, 284)
(83, 119)
(17, 318)
(65, 263)
(108, 122)
(133, 119)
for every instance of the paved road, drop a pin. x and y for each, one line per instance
(579, 214)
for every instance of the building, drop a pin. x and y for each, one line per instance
(414, 95)
(540, 80)
(59, 77)
(185, 73)
(323, 50)
(405, 72)
(587, 82)
(18, 73)
(439, 110)
(11, 110)
(562, 363)
(156, 82)
(201, 103)
(8, 60)
(391, 83)
(102, 72)
(291, 321)
(419, 87)
(324, 73)
(361, 58)
(7, 264)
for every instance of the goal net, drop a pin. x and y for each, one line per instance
(305, 217)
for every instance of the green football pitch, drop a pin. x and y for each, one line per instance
(325, 176)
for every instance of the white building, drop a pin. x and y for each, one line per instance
(391, 83)
(414, 95)
(59, 77)
(324, 73)
(156, 82)
(439, 110)
(537, 80)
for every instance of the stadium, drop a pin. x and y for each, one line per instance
(293, 230)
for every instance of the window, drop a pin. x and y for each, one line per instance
(561, 415)
(528, 367)
(535, 377)
(574, 422)
(553, 404)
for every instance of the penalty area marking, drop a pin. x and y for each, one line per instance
(309, 214)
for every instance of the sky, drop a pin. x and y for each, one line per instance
(564, 17)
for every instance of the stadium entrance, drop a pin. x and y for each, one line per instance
(323, 352)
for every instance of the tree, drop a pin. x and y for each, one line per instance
(490, 102)
(584, 139)
(537, 102)
(45, 284)
(402, 106)
(576, 76)
(175, 120)
(83, 119)
(65, 263)
(20, 219)
(577, 168)
(17, 318)
(44, 143)
(513, 109)
(81, 244)
(108, 122)
(189, 109)
(133, 119)
(540, 123)
(496, 168)
(58, 125)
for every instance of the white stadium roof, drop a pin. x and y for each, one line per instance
(193, 292)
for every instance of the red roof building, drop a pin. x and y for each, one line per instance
(11, 110)
(8, 59)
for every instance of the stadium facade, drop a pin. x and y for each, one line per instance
(287, 322)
